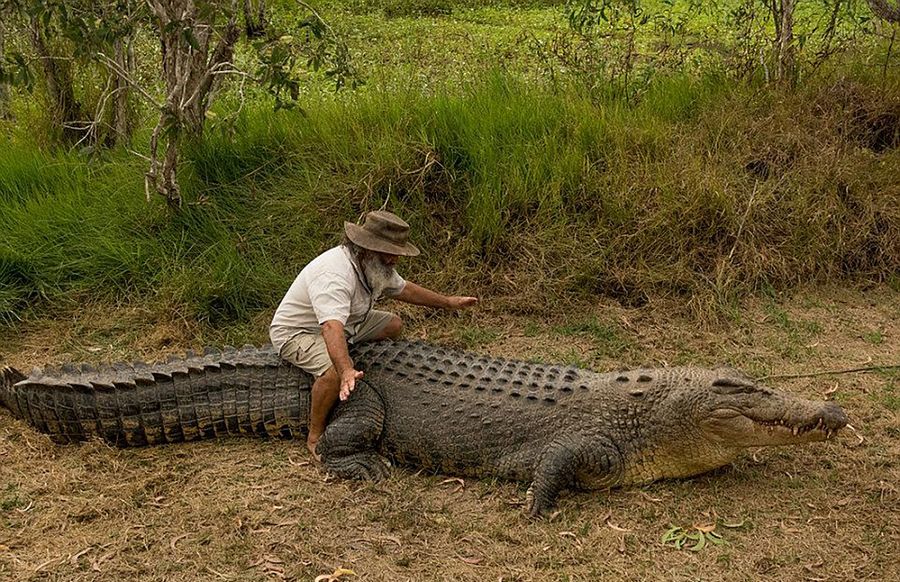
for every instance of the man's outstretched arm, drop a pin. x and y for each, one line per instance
(418, 295)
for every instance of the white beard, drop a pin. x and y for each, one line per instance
(378, 275)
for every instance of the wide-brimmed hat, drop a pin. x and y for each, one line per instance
(383, 232)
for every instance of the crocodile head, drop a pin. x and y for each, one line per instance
(736, 412)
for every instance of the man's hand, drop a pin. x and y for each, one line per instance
(348, 382)
(455, 302)
(418, 295)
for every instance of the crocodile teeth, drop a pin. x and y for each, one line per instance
(796, 430)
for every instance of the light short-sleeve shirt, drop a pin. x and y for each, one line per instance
(330, 287)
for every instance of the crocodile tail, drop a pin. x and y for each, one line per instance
(8, 377)
(185, 399)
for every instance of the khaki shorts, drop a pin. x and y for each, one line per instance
(308, 350)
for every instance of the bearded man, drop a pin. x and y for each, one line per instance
(331, 303)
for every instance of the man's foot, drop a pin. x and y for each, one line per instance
(311, 445)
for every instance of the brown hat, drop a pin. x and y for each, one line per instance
(383, 232)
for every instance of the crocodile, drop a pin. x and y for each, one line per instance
(444, 410)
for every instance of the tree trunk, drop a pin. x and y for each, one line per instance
(5, 112)
(885, 10)
(784, 41)
(66, 111)
(255, 22)
(191, 74)
(122, 119)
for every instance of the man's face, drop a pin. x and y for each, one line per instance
(378, 269)
(388, 259)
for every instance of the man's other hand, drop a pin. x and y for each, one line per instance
(348, 382)
(461, 302)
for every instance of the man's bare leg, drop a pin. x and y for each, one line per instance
(324, 394)
(326, 388)
(392, 330)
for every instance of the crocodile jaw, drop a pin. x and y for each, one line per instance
(755, 427)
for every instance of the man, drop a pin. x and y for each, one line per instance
(330, 304)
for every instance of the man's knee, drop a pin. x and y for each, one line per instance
(393, 329)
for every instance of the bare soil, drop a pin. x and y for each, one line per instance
(259, 510)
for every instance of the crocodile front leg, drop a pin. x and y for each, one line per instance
(573, 461)
(348, 445)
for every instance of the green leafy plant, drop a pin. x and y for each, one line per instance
(697, 536)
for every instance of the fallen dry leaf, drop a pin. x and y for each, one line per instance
(615, 527)
(461, 484)
(391, 539)
(333, 577)
(47, 563)
(74, 558)
(219, 574)
(176, 539)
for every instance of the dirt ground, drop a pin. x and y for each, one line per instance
(258, 510)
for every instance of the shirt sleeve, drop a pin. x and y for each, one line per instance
(329, 295)
(396, 285)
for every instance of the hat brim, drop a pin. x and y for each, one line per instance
(360, 236)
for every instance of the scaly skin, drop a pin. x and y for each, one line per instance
(200, 396)
(440, 409)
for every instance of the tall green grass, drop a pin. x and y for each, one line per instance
(705, 189)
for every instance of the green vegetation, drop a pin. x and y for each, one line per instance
(796, 334)
(514, 176)
(874, 337)
(10, 498)
(888, 395)
(607, 338)
(473, 337)
(564, 195)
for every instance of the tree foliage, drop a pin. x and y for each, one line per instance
(76, 45)
(773, 40)
(63, 39)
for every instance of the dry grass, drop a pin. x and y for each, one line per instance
(252, 510)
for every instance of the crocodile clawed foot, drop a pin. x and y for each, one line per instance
(529, 509)
(538, 511)
(359, 466)
(529, 501)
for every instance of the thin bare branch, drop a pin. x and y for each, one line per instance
(114, 67)
(832, 372)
